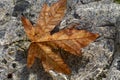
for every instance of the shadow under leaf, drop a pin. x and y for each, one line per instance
(36, 69)
(74, 62)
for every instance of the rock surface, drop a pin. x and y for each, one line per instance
(100, 60)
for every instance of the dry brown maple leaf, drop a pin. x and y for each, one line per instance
(43, 43)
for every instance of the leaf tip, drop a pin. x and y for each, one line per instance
(97, 35)
(68, 72)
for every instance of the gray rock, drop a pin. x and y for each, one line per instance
(100, 59)
(114, 71)
(99, 13)
(20, 6)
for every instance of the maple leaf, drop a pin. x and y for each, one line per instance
(43, 43)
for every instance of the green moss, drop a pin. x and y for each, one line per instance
(117, 1)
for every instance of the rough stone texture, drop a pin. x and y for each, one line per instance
(100, 60)
(114, 71)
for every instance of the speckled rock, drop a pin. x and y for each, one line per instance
(114, 71)
(100, 59)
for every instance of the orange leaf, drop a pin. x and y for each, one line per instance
(43, 43)
(33, 51)
(51, 16)
(28, 27)
(52, 60)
